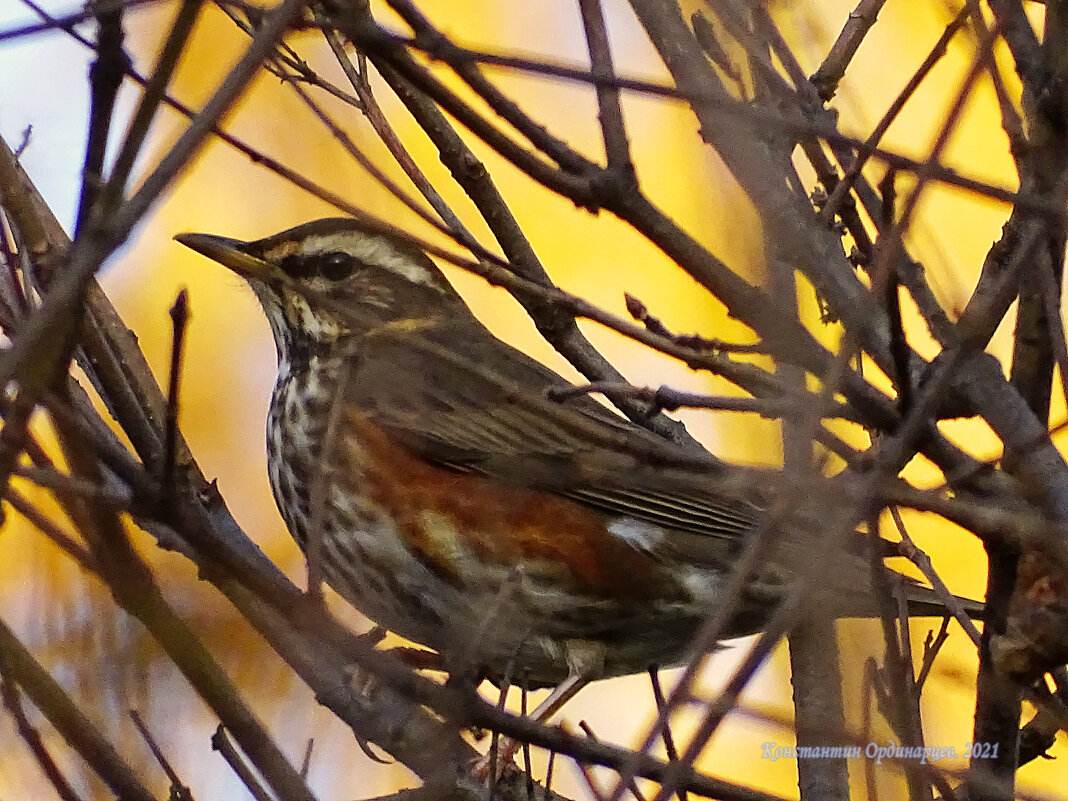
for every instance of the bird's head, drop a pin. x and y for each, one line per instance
(330, 279)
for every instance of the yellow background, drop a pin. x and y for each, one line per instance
(230, 359)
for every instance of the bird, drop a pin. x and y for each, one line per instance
(450, 498)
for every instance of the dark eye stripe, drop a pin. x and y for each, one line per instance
(332, 266)
(298, 266)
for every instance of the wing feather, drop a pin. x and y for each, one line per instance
(485, 408)
(469, 401)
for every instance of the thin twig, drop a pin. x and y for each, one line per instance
(768, 118)
(180, 322)
(640, 312)
(305, 761)
(931, 646)
(220, 742)
(105, 78)
(830, 72)
(613, 130)
(910, 550)
(669, 739)
(19, 667)
(68, 544)
(179, 791)
(30, 736)
(175, 44)
(670, 399)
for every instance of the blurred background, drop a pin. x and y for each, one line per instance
(230, 358)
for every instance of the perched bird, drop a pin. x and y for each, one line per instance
(451, 500)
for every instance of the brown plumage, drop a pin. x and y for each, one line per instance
(458, 505)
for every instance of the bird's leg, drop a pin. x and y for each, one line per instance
(363, 681)
(585, 661)
(418, 658)
(560, 695)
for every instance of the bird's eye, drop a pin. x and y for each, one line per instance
(336, 266)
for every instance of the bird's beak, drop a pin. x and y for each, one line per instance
(229, 253)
